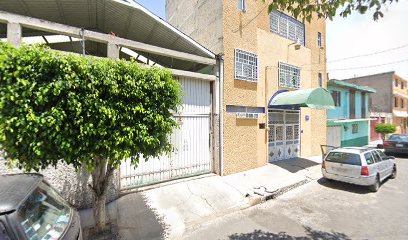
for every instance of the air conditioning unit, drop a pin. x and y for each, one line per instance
(247, 115)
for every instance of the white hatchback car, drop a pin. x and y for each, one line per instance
(360, 166)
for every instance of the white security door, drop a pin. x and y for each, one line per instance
(276, 143)
(283, 137)
(334, 136)
(292, 149)
(191, 142)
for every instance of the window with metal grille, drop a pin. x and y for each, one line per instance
(289, 76)
(395, 102)
(354, 129)
(287, 27)
(402, 103)
(246, 66)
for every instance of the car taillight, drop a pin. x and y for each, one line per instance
(386, 144)
(323, 165)
(364, 171)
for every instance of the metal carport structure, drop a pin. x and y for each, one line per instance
(122, 29)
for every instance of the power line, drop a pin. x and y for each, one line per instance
(371, 66)
(368, 54)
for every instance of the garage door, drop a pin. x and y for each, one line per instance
(192, 155)
(334, 136)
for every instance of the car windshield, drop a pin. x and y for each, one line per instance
(345, 158)
(402, 138)
(43, 215)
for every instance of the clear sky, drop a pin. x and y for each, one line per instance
(353, 36)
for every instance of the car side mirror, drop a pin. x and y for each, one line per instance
(380, 146)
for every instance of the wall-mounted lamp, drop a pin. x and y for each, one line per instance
(345, 128)
(297, 47)
(297, 44)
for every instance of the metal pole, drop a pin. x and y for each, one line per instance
(81, 34)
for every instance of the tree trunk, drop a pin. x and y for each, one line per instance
(100, 180)
(99, 212)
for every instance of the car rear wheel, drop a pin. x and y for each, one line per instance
(394, 172)
(376, 185)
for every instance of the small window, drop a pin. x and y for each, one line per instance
(320, 80)
(369, 158)
(402, 85)
(289, 76)
(319, 39)
(402, 103)
(395, 102)
(396, 82)
(344, 158)
(336, 98)
(246, 66)
(242, 5)
(235, 109)
(354, 128)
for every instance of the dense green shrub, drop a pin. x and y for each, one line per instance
(82, 110)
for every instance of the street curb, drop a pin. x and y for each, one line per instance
(252, 202)
(277, 192)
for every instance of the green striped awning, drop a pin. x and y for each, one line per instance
(316, 98)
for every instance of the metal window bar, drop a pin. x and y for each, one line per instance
(289, 76)
(246, 66)
(287, 27)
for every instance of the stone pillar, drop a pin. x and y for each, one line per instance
(14, 34)
(113, 51)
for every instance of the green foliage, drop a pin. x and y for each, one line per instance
(56, 106)
(385, 128)
(306, 9)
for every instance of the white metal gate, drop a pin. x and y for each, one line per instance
(192, 155)
(334, 136)
(284, 137)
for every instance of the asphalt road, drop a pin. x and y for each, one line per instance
(321, 210)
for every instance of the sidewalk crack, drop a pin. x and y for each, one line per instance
(200, 196)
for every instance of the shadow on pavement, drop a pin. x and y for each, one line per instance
(296, 164)
(137, 219)
(310, 234)
(347, 187)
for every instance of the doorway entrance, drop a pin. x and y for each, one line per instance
(284, 134)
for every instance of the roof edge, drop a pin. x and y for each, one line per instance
(350, 85)
(133, 4)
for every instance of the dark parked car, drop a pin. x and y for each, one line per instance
(397, 143)
(31, 209)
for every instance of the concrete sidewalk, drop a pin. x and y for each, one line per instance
(171, 210)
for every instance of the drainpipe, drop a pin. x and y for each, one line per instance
(221, 111)
(266, 113)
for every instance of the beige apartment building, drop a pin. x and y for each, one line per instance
(273, 65)
(390, 103)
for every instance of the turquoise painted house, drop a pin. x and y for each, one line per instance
(349, 123)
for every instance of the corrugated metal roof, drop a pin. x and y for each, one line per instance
(125, 18)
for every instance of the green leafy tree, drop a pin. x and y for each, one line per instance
(84, 111)
(384, 129)
(305, 9)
